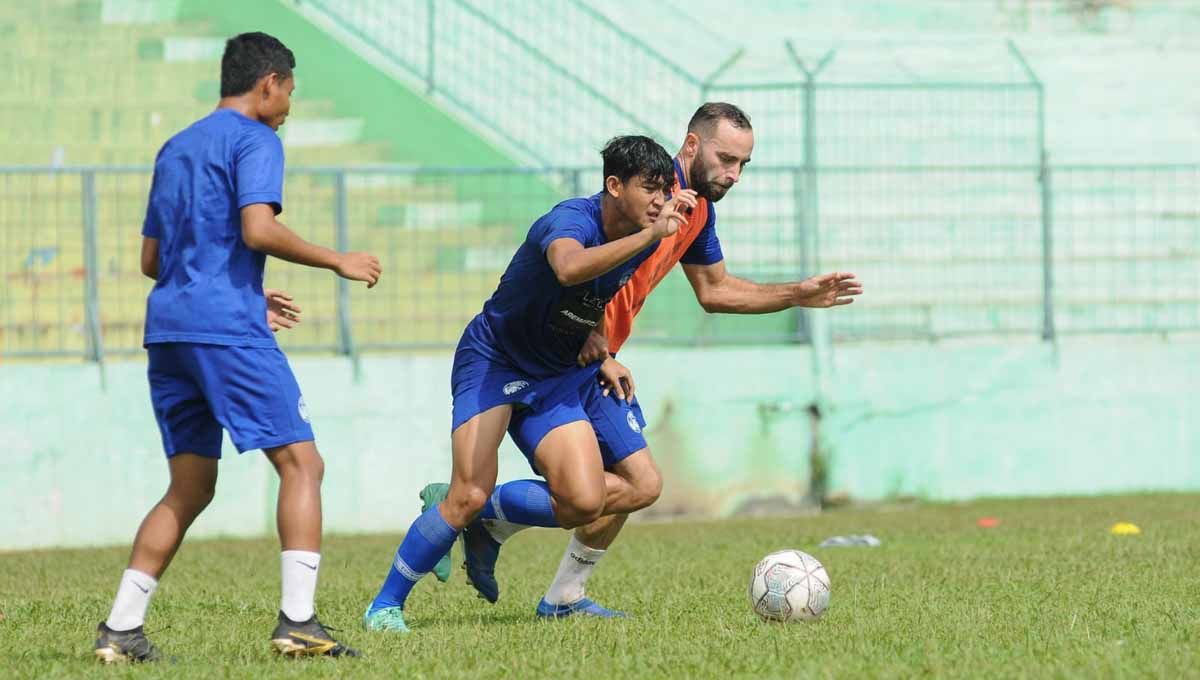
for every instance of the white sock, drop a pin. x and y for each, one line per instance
(502, 529)
(133, 597)
(570, 583)
(299, 569)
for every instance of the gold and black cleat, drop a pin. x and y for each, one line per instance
(307, 638)
(124, 646)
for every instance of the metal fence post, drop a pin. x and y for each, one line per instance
(430, 38)
(811, 186)
(342, 240)
(576, 182)
(801, 330)
(1047, 195)
(91, 305)
(807, 205)
(1047, 186)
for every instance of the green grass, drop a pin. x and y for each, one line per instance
(1047, 594)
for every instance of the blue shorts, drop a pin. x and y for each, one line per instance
(618, 425)
(479, 383)
(250, 391)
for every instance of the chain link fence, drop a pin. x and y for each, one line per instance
(944, 252)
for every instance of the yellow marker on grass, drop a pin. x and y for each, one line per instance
(1124, 529)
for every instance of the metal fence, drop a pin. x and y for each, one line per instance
(550, 90)
(519, 71)
(944, 252)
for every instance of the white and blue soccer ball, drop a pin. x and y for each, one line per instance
(789, 585)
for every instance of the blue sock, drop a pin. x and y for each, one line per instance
(524, 501)
(427, 540)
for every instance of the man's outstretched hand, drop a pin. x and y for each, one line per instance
(829, 290)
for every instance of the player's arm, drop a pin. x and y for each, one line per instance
(574, 264)
(262, 232)
(150, 257)
(718, 291)
(258, 163)
(595, 348)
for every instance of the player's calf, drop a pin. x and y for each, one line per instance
(301, 471)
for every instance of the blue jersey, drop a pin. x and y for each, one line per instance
(532, 322)
(209, 287)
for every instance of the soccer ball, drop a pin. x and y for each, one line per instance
(789, 585)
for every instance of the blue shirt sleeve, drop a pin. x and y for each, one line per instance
(258, 169)
(562, 223)
(706, 249)
(150, 226)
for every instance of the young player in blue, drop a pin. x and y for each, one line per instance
(714, 152)
(519, 355)
(213, 360)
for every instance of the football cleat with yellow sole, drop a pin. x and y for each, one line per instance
(306, 638)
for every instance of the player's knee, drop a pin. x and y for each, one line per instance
(309, 467)
(464, 502)
(592, 511)
(314, 467)
(580, 510)
(191, 497)
(649, 488)
(299, 462)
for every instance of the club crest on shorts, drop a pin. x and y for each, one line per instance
(515, 386)
(632, 420)
(303, 409)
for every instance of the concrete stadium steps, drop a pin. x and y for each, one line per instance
(129, 125)
(56, 12)
(321, 132)
(124, 76)
(116, 80)
(124, 188)
(107, 154)
(86, 40)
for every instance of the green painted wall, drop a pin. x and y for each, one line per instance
(728, 426)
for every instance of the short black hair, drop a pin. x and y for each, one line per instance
(251, 56)
(637, 156)
(711, 113)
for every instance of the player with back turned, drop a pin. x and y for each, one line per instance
(213, 361)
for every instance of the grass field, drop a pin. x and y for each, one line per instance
(1049, 593)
